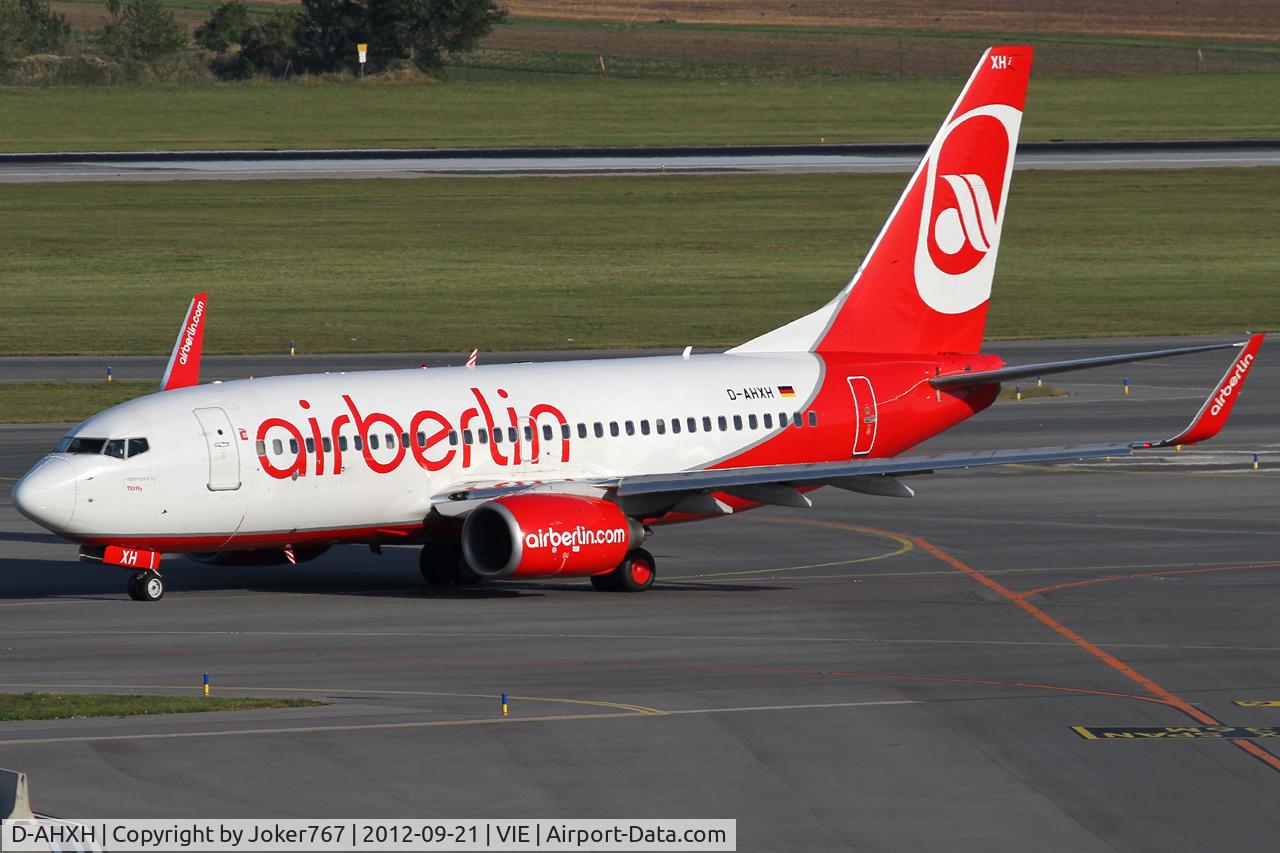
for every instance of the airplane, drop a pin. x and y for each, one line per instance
(563, 469)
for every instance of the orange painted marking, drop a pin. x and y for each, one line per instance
(1101, 654)
(1156, 574)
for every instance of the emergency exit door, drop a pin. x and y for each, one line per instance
(864, 414)
(224, 455)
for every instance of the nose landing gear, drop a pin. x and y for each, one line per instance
(146, 586)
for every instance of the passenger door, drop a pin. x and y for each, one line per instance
(224, 454)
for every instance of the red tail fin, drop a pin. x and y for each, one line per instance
(924, 285)
(184, 362)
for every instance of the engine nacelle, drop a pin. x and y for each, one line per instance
(258, 556)
(547, 535)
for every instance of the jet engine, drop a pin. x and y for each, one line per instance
(547, 535)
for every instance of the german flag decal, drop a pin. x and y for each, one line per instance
(786, 391)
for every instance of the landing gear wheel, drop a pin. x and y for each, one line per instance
(437, 563)
(634, 574)
(605, 582)
(146, 586)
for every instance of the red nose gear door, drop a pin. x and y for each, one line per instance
(864, 415)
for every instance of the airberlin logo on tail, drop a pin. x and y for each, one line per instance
(1229, 387)
(970, 220)
(966, 177)
(189, 333)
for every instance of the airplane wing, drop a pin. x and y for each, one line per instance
(778, 484)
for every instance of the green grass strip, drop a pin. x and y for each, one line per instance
(598, 263)
(65, 706)
(571, 110)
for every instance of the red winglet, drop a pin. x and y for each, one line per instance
(184, 362)
(1217, 408)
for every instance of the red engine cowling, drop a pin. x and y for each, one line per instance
(547, 536)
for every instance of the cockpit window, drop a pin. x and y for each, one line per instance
(117, 448)
(86, 445)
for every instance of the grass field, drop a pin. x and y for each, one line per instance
(584, 111)
(65, 706)
(540, 263)
(59, 402)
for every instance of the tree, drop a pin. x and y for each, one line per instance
(327, 33)
(268, 46)
(229, 24)
(427, 31)
(27, 27)
(140, 30)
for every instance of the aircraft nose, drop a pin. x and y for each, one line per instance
(47, 494)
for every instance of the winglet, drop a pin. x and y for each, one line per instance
(1217, 408)
(184, 362)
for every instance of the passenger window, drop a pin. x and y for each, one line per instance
(404, 439)
(422, 439)
(466, 436)
(768, 420)
(582, 430)
(661, 426)
(782, 420)
(723, 423)
(613, 428)
(644, 426)
(513, 434)
(564, 430)
(342, 443)
(599, 429)
(528, 433)
(261, 447)
(813, 418)
(737, 422)
(327, 444)
(692, 424)
(293, 446)
(675, 425)
(311, 445)
(546, 431)
(497, 435)
(752, 422)
(277, 447)
(453, 438)
(138, 446)
(706, 423)
(795, 420)
(483, 435)
(391, 441)
(358, 442)
(631, 428)
(373, 441)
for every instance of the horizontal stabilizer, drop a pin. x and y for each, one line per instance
(1028, 371)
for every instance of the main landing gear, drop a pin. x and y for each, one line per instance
(635, 573)
(441, 564)
(146, 586)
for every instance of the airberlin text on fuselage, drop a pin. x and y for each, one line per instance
(434, 453)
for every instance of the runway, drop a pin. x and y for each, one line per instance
(273, 165)
(871, 674)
